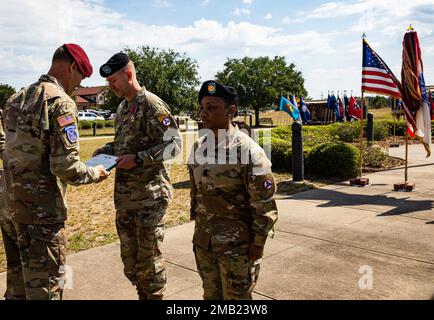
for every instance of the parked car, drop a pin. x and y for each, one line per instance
(90, 116)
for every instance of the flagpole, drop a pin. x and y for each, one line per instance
(361, 135)
(361, 181)
(406, 160)
(394, 111)
(394, 121)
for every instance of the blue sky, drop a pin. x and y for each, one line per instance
(322, 38)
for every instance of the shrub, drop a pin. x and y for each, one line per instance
(281, 154)
(284, 132)
(400, 127)
(100, 124)
(374, 156)
(109, 123)
(381, 130)
(84, 124)
(335, 159)
(313, 138)
(346, 132)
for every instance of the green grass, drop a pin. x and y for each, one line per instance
(382, 114)
(87, 147)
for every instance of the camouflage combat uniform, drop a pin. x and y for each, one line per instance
(233, 206)
(144, 126)
(40, 158)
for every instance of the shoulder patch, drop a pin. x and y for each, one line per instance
(65, 120)
(72, 133)
(164, 119)
(268, 184)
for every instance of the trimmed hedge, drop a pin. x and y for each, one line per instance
(337, 159)
(85, 124)
(109, 123)
(100, 124)
(327, 149)
(345, 132)
(281, 154)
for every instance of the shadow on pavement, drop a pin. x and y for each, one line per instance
(338, 199)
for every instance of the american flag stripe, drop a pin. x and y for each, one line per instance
(375, 84)
(379, 83)
(377, 77)
(379, 91)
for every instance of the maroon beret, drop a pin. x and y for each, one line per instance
(81, 58)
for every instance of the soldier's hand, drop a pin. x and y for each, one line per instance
(98, 151)
(126, 161)
(103, 173)
(255, 252)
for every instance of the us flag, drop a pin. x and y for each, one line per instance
(376, 76)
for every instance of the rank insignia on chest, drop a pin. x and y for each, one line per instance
(268, 184)
(71, 133)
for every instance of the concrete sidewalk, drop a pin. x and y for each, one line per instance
(327, 241)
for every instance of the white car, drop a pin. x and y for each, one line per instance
(90, 116)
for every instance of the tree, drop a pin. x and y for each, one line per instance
(261, 81)
(5, 92)
(170, 75)
(378, 102)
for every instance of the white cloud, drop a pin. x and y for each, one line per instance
(286, 20)
(248, 2)
(398, 8)
(268, 16)
(102, 32)
(239, 12)
(205, 2)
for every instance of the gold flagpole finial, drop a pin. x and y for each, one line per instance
(410, 28)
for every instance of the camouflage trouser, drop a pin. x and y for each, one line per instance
(35, 261)
(141, 234)
(226, 277)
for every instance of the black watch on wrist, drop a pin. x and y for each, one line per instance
(138, 160)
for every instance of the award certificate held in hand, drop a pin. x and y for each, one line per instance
(107, 161)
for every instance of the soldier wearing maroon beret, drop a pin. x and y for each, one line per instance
(40, 157)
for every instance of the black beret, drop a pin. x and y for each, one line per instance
(114, 64)
(214, 89)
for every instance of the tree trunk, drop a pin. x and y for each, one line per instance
(257, 117)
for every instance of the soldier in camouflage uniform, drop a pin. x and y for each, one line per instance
(232, 199)
(146, 134)
(40, 157)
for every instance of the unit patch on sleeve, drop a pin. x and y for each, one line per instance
(71, 133)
